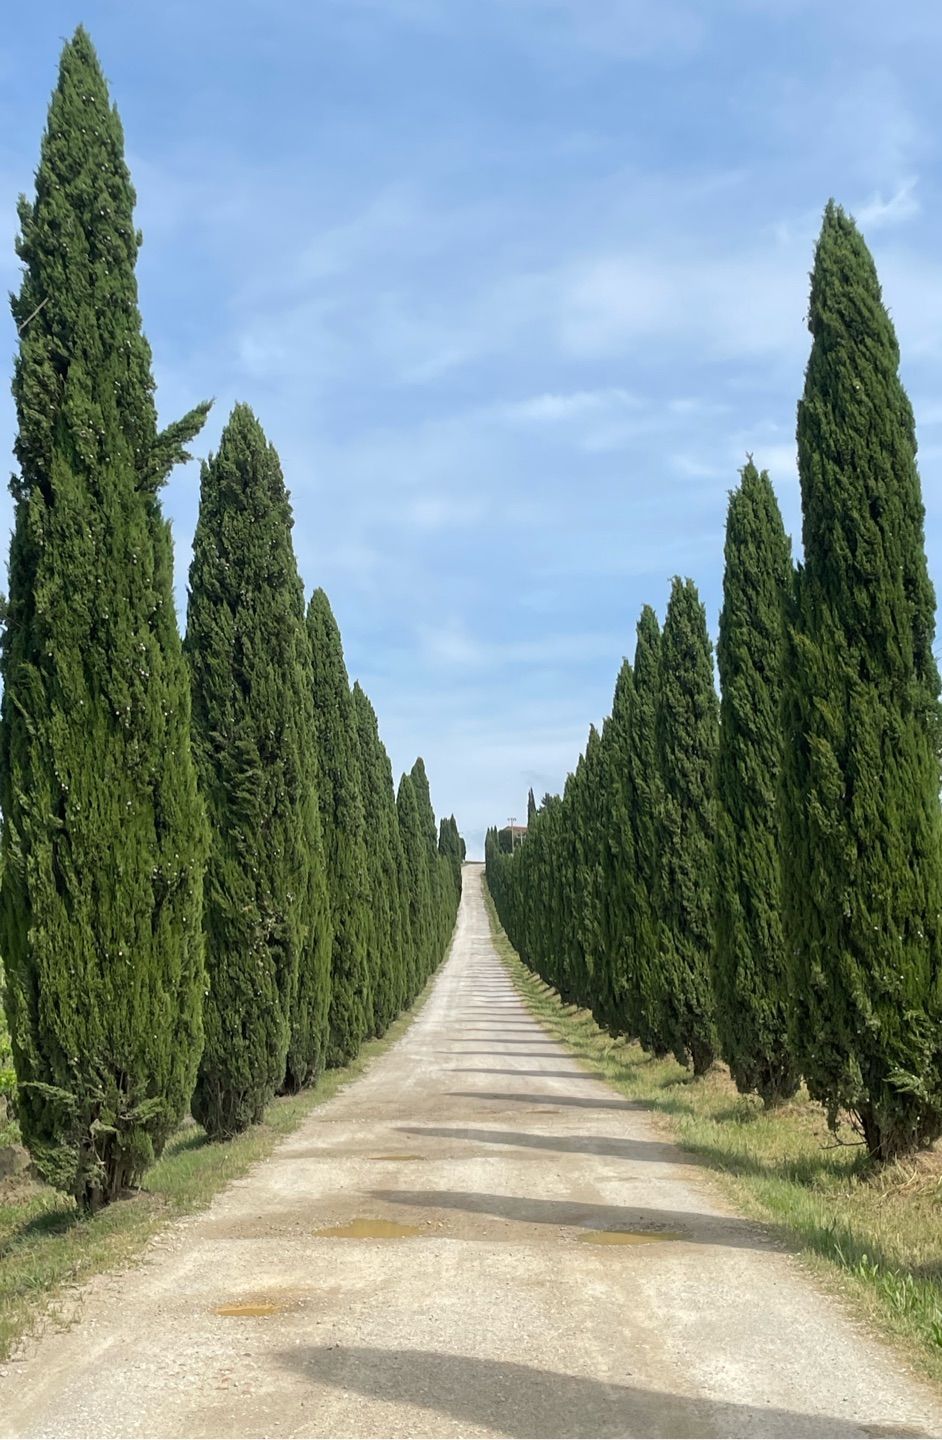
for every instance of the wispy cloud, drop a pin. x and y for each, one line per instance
(896, 209)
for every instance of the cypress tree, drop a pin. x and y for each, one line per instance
(104, 835)
(344, 834)
(449, 846)
(574, 978)
(862, 835)
(265, 901)
(686, 726)
(589, 843)
(428, 850)
(415, 887)
(531, 807)
(617, 862)
(382, 826)
(645, 982)
(750, 976)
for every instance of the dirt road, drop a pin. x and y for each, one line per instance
(489, 1308)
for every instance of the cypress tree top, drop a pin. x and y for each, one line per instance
(78, 300)
(862, 511)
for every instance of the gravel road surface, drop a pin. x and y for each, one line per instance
(475, 1238)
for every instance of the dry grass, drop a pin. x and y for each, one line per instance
(875, 1236)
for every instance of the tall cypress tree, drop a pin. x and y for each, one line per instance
(449, 846)
(862, 838)
(686, 742)
(428, 850)
(750, 976)
(386, 937)
(645, 982)
(589, 834)
(344, 835)
(265, 900)
(104, 835)
(617, 862)
(415, 886)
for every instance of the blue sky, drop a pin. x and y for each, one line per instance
(513, 285)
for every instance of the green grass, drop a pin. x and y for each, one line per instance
(9, 1134)
(874, 1236)
(48, 1246)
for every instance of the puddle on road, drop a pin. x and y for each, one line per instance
(365, 1227)
(249, 1308)
(626, 1237)
(395, 1157)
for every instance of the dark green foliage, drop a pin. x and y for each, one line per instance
(531, 807)
(443, 899)
(685, 880)
(644, 977)
(104, 834)
(388, 935)
(449, 845)
(749, 955)
(862, 842)
(588, 836)
(344, 832)
(265, 915)
(416, 887)
(616, 863)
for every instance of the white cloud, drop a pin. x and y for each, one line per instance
(899, 207)
(738, 303)
(556, 408)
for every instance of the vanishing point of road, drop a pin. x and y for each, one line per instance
(430, 1255)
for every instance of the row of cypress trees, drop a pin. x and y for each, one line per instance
(759, 877)
(210, 888)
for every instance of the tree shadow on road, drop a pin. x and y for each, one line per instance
(505, 1398)
(621, 1149)
(581, 1102)
(692, 1227)
(535, 1074)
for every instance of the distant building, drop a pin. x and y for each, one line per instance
(510, 837)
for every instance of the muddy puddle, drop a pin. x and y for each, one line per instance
(252, 1308)
(367, 1227)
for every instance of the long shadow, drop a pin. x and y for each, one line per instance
(496, 1054)
(511, 1040)
(505, 1398)
(562, 1144)
(690, 1226)
(581, 1102)
(498, 1032)
(516, 1027)
(534, 1074)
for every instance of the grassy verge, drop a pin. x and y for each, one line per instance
(47, 1246)
(9, 1134)
(877, 1238)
